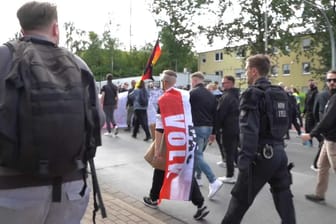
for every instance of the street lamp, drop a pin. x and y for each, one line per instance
(266, 26)
(331, 33)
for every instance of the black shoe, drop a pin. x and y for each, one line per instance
(149, 202)
(201, 213)
(146, 139)
(133, 136)
(314, 198)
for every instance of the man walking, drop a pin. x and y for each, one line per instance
(167, 102)
(308, 111)
(129, 107)
(203, 108)
(109, 100)
(227, 123)
(326, 127)
(262, 158)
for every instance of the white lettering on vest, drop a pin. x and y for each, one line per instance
(175, 121)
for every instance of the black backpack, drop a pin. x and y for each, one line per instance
(275, 117)
(143, 97)
(49, 121)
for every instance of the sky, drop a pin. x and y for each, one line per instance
(94, 16)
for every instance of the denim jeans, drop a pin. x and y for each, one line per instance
(202, 136)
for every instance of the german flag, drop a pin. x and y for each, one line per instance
(156, 53)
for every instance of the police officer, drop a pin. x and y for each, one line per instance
(262, 158)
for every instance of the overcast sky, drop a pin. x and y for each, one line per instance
(93, 15)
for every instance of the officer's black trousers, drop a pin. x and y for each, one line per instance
(250, 181)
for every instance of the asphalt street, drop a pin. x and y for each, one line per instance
(120, 164)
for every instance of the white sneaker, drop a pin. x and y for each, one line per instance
(312, 167)
(116, 131)
(214, 187)
(199, 182)
(221, 164)
(108, 134)
(228, 180)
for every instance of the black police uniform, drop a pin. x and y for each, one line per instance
(261, 160)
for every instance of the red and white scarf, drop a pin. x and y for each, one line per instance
(179, 134)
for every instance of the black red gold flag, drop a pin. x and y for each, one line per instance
(156, 53)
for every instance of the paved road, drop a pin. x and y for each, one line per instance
(120, 165)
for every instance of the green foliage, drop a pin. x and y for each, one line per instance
(314, 19)
(175, 54)
(75, 38)
(103, 56)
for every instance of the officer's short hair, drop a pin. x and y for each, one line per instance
(197, 75)
(261, 62)
(36, 15)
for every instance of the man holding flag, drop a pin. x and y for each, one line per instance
(174, 121)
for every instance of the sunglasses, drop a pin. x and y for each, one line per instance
(329, 80)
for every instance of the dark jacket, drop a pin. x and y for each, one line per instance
(203, 106)
(129, 102)
(310, 100)
(111, 94)
(292, 109)
(327, 125)
(252, 108)
(227, 113)
(320, 103)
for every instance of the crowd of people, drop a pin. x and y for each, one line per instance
(250, 129)
(217, 114)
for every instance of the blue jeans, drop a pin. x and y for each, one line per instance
(202, 135)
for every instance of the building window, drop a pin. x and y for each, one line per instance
(219, 56)
(239, 73)
(306, 67)
(241, 53)
(274, 70)
(306, 43)
(219, 73)
(286, 69)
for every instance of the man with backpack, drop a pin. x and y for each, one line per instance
(140, 103)
(263, 121)
(50, 123)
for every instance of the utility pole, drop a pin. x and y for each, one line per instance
(130, 27)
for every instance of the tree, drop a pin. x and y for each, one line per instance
(175, 54)
(75, 38)
(178, 16)
(260, 25)
(175, 17)
(314, 22)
